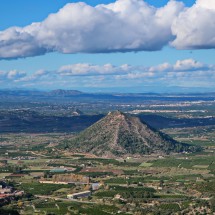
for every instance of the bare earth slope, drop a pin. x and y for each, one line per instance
(119, 134)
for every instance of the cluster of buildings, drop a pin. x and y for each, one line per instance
(24, 158)
(98, 170)
(67, 179)
(8, 192)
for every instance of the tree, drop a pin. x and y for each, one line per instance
(161, 183)
(146, 194)
(20, 204)
(212, 203)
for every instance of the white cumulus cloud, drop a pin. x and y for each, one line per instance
(12, 75)
(125, 25)
(122, 26)
(90, 69)
(194, 28)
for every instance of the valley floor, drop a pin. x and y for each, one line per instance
(153, 184)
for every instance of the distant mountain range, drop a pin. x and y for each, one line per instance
(119, 134)
(58, 92)
(67, 95)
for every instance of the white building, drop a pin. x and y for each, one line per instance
(79, 195)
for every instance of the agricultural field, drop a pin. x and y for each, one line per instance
(160, 183)
(144, 185)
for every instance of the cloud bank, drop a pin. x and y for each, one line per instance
(122, 26)
(187, 72)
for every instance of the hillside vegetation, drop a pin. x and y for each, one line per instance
(119, 134)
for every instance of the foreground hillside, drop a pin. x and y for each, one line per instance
(119, 134)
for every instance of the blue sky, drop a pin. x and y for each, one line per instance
(160, 56)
